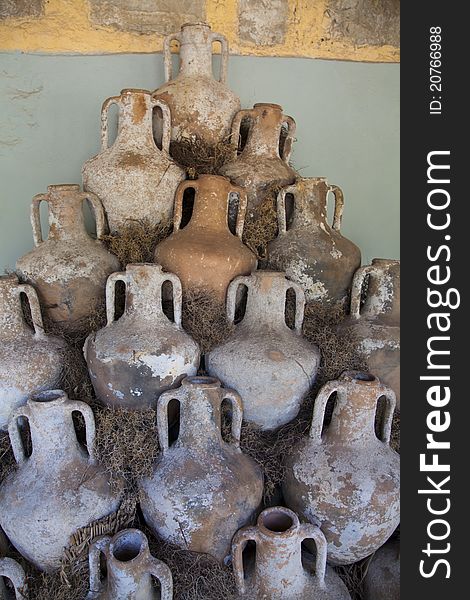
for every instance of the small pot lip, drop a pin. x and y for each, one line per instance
(268, 105)
(268, 272)
(211, 176)
(360, 377)
(8, 278)
(196, 24)
(126, 91)
(385, 261)
(52, 187)
(48, 397)
(201, 381)
(279, 510)
(126, 532)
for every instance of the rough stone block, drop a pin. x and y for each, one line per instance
(366, 22)
(146, 16)
(263, 22)
(21, 8)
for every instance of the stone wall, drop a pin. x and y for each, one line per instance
(359, 30)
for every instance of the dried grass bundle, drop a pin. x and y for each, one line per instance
(198, 158)
(262, 227)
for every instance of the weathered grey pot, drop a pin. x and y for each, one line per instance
(13, 571)
(277, 573)
(205, 254)
(270, 365)
(129, 569)
(30, 360)
(376, 325)
(201, 106)
(69, 269)
(133, 178)
(202, 489)
(310, 250)
(382, 580)
(261, 165)
(59, 488)
(347, 480)
(134, 359)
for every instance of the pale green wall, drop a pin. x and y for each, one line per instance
(347, 117)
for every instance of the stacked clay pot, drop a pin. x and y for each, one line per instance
(203, 493)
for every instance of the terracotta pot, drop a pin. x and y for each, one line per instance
(202, 489)
(376, 325)
(310, 250)
(132, 177)
(134, 359)
(382, 580)
(347, 480)
(270, 365)
(277, 572)
(69, 269)
(201, 106)
(59, 488)
(129, 569)
(261, 165)
(13, 571)
(206, 254)
(30, 360)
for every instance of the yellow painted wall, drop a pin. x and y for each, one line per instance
(65, 28)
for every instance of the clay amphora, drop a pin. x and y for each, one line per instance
(270, 365)
(13, 571)
(201, 106)
(69, 269)
(30, 360)
(310, 250)
(261, 165)
(202, 489)
(59, 488)
(347, 480)
(376, 324)
(132, 177)
(206, 254)
(277, 572)
(134, 359)
(382, 580)
(129, 569)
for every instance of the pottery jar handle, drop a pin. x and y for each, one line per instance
(339, 206)
(98, 546)
(177, 296)
(237, 413)
(390, 404)
(281, 207)
(299, 305)
(104, 119)
(166, 120)
(239, 541)
(111, 295)
(356, 290)
(162, 416)
(162, 572)
(167, 62)
(313, 532)
(241, 214)
(15, 573)
(178, 206)
(34, 307)
(14, 433)
(218, 37)
(36, 217)
(90, 427)
(291, 127)
(98, 213)
(319, 408)
(236, 124)
(232, 295)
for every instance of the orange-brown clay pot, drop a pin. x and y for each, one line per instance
(69, 269)
(347, 480)
(201, 106)
(205, 254)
